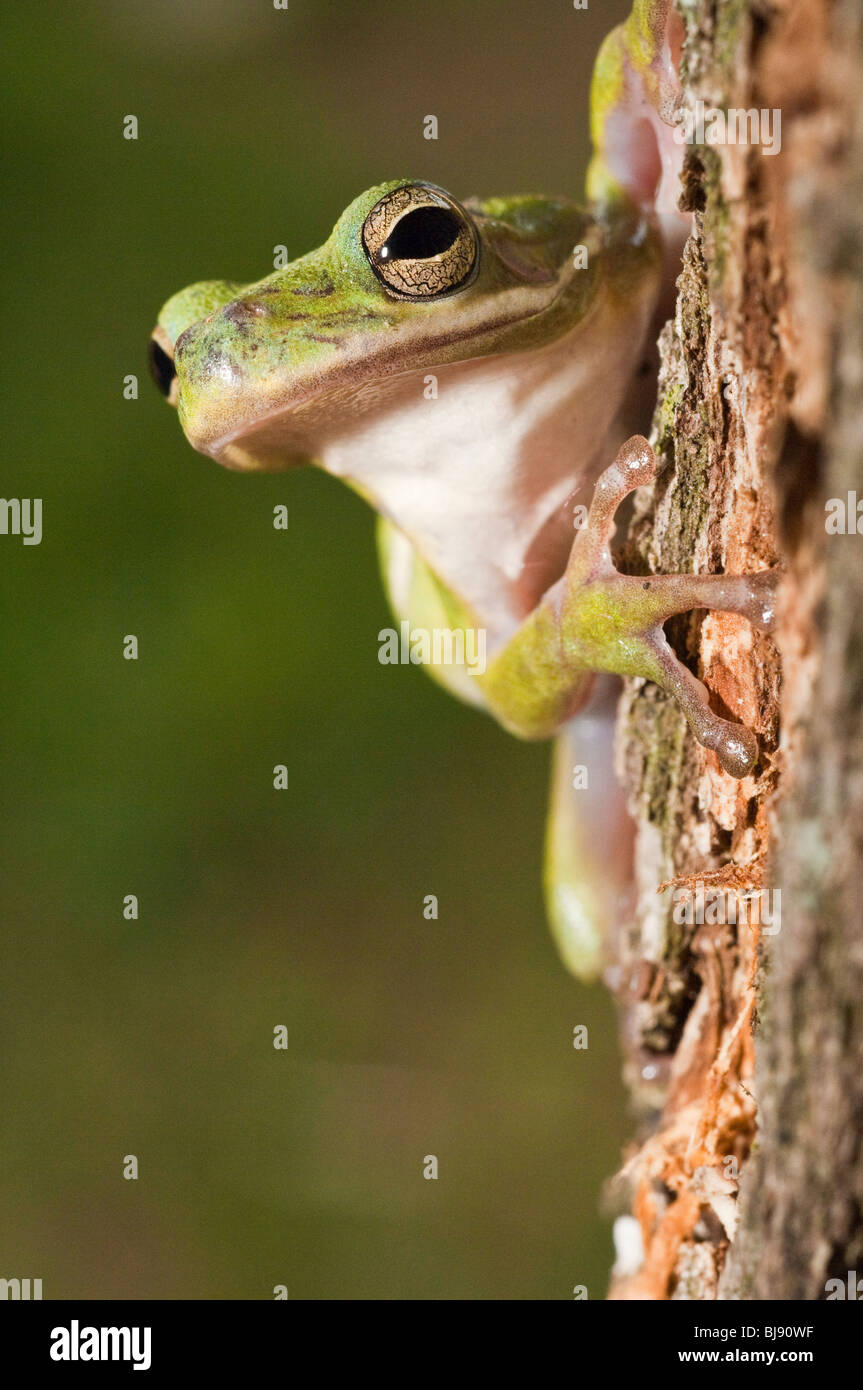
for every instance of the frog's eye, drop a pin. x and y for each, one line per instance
(420, 243)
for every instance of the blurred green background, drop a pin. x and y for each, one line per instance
(257, 647)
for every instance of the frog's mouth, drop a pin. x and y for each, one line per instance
(267, 420)
(162, 369)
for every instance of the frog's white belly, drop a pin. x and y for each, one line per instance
(474, 475)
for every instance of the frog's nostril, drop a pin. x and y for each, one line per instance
(162, 367)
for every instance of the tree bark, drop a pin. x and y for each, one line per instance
(737, 1031)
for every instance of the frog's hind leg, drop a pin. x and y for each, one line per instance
(635, 100)
(589, 838)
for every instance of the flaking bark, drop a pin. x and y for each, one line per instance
(742, 1035)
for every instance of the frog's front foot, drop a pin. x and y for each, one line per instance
(615, 620)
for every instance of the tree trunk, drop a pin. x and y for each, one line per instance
(754, 1027)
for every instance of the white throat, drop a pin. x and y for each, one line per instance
(473, 474)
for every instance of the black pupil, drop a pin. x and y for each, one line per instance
(161, 368)
(425, 232)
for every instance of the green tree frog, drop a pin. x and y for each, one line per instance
(530, 316)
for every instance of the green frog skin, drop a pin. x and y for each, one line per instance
(531, 316)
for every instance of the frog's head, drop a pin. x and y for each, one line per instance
(264, 375)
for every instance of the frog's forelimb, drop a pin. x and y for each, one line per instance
(597, 619)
